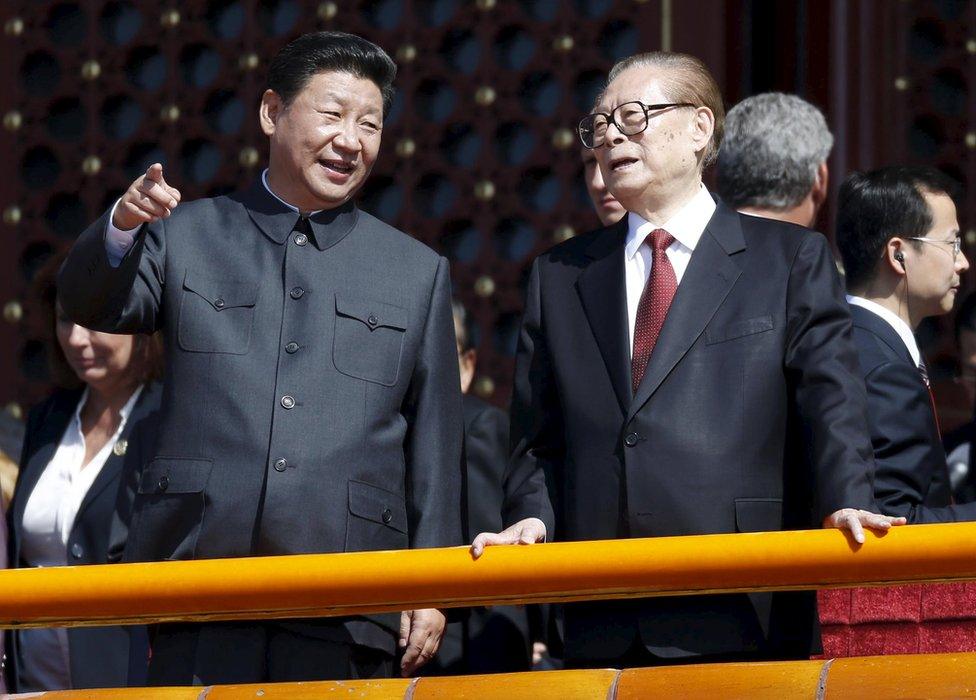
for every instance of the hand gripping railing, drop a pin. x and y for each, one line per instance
(366, 582)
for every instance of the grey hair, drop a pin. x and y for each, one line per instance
(774, 144)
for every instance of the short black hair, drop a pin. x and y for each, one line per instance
(311, 54)
(879, 205)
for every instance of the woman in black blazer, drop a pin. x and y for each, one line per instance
(83, 451)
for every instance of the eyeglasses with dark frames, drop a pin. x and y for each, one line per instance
(630, 118)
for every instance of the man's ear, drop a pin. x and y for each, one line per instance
(268, 112)
(703, 126)
(895, 255)
(818, 195)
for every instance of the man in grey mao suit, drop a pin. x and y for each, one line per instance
(311, 402)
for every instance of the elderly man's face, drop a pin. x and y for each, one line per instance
(325, 142)
(660, 159)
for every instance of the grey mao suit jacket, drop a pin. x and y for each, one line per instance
(312, 398)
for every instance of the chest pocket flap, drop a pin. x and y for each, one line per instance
(739, 329)
(173, 476)
(374, 314)
(368, 339)
(216, 314)
(222, 294)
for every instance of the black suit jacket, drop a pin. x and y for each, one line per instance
(911, 477)
(491, 639)
(312, 399)
(750, 417)
(108, 657)
(486, 453)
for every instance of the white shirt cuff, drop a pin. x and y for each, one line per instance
(117, 241)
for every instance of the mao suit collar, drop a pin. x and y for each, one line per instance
(277, 220)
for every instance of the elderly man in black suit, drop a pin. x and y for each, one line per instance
(899, 237)
(311, 401)
(686, 371)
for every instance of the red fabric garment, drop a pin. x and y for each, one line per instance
(654, 303)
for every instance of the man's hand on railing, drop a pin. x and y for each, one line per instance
(420, 637)
(528, 531)
(856, 520)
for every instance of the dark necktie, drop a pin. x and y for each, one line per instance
(654, 303)
(924, 371)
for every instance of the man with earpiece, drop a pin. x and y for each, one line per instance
(899, 238)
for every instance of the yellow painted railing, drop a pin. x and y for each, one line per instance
(890, 677)
(356, 583)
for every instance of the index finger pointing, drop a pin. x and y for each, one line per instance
(155, 173)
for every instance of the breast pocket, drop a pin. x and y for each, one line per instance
(216, 315)
(368, 339)
(738, 329)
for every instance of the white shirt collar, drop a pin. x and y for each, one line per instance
(686, 225)
(124, 412)
(264, 181)
(903, 330)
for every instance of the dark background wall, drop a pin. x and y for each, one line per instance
(479, 159)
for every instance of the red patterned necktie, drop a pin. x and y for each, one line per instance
(654, 303)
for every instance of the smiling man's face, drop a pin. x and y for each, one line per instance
(658, 161)
(325, 142)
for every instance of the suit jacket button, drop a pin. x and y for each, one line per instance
(163, 483)
(296, 292)
(287, 401)
(220, 303)
(301, 239)
(372, 320)
(631, 439)
(77, 551)
(387, 515)
(291, 348)
(280, 465)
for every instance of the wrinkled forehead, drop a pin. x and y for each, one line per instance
(641, 84)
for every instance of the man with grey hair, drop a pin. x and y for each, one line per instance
(773, 161)
(685, 371)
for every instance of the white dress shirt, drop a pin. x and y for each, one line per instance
(687, 226)
(903, 330)
(48, 519)
(118, 241)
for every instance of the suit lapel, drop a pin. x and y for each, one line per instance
(110, 470)
(52, 427)
(707, 281)
(113, 465)
(871, 322)
(601, 287)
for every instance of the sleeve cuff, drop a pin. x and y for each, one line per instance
(117, 241)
